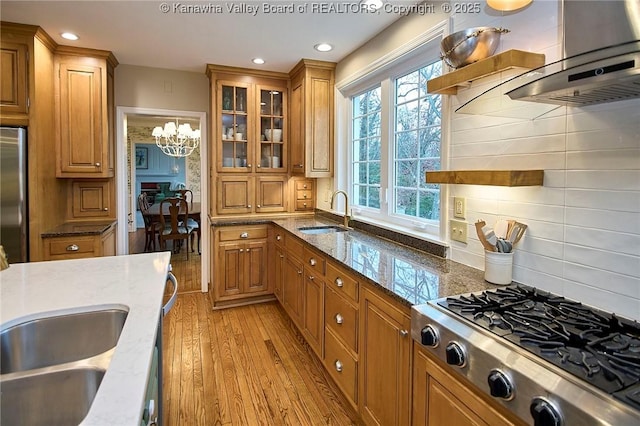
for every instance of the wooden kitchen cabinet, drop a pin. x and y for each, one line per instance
(83, 121)
(385, 360)
(92, 198)
(293, 280)
(13, 86)
(81, 246)
(304, 194)
(271, 194)
(241, 263)
(441, 398)
(312, 118)
(234, 194)
(313, 309)
(278, 281)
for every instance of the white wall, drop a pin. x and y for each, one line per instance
(583, 239)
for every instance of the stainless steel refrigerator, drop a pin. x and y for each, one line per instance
(14, 223)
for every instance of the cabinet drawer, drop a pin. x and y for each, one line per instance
(293, 245)
(344, 284)
(70, 248)
(304, 195)
(302, 185)
(341, 318)
(304, 205)
(314, 261)
(242, 233)
(341, 365)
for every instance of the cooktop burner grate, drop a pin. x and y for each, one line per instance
(594, 346)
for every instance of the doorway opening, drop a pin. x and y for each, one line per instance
(143, 167)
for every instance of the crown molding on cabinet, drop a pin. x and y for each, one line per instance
(488, 177)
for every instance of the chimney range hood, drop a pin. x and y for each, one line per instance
(601, 45)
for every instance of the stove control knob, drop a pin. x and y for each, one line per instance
(500, 385)
(429, 336)
(455, 354)
(544, 413)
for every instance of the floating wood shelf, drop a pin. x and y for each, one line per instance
(488, 177)
(448, 84)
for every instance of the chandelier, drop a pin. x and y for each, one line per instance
(176, 140)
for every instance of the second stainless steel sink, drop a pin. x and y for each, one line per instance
(328, 229)
(53, 398)
(59, 339)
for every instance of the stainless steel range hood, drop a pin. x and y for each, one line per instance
(601, 46)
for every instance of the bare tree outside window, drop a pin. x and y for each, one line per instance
(417, 144)
(366, 148)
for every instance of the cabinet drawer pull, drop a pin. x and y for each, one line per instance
(338, 365)
(244, 235)
(339, 319)
(73, 247)
(339, 282)
(304, 186)
(311, 277)
(241, 250)
(299, 272)
(404, 333)
(312, 262)
(278, 237)
(304, 196)
(282, 256)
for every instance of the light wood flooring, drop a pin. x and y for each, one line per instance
(240, 366)
(187, 272)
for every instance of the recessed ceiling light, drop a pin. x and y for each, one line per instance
(258, 61)
(376, 4)
(69, 36)
(323, 47)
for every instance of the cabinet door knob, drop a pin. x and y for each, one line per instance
(244, 235)
(97, 164)
(304, 204)
(312, 262)
(106, 209)
(249, 166)
(249, 206)
(258, 166)
(338, 365)
(282, 256)
(258, 206)
(241, 250)
(73, 247)
(311, 277)
(278, 237)
(404, 333)
(299, 272)
(339, 282)
(339, 319)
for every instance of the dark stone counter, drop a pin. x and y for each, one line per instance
(70, 229)
(410, 276)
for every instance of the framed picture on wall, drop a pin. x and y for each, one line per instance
(142, 158)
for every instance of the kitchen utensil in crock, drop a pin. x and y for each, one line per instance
(500, 228)
(471, 45)
(479, 230)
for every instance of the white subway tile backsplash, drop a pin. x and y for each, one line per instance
(583, 239)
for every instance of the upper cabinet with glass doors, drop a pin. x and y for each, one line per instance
(249, 120)
(273, 132)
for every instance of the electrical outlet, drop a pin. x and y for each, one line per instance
(459, 207)
(458, 230)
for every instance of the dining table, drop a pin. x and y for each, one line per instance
(193, 210)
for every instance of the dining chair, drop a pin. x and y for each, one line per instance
(175, 227)
(151, 227)
(187, 195)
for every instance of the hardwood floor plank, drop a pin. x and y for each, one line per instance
(243, 366)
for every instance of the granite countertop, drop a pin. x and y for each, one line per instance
(135, 282)
(410, 276)
(70, 229)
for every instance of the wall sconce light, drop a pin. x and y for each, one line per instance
(508, 5)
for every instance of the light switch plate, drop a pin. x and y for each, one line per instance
(459, 207)
(458, 230)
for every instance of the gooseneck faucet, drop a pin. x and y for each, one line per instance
(346, 205)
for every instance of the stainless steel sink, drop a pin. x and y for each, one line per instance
(59, 339)
(328, 229)
(53, 398)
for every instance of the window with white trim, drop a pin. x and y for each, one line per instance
(395, 137)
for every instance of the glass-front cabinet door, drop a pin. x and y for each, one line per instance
(236, 127)
(271, 153)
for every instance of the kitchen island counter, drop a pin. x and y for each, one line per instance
(135, 283)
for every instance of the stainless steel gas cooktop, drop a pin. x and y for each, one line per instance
(548, 359)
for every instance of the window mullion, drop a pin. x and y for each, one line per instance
(386, 148)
